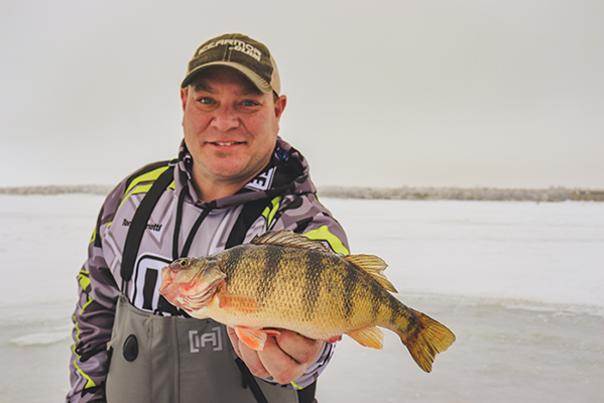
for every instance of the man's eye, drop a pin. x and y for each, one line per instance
(206, 101)
(249, 103)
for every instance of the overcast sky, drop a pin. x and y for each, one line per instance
(449, 92)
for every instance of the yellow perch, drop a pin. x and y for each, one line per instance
(284, 280)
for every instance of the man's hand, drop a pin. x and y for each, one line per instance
(284, 358)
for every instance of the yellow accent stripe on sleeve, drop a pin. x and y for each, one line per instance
(296, 386)
(86, 305)
(83, 279)
(269, 212)
(324, 234)
(89, 382)
(93, 236)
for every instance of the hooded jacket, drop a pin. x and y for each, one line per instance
(181, 226)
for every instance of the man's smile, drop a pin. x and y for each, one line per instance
(225, 143)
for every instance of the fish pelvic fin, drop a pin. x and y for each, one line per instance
(255, 338)
(368, 336)
(424, 338)
(289, 239)
(374, 266)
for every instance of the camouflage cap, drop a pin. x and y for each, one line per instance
(250, 57)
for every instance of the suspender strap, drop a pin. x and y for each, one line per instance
(251, 211)
(250, 381)
(139, 223)
(307, 395)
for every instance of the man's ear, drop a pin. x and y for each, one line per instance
(280, 105)
(184, 94)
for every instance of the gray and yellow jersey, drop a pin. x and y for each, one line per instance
(179, 226)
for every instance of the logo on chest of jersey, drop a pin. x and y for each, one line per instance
(212, 339)
(263, 181)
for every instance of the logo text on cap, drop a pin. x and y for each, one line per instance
(234, 44)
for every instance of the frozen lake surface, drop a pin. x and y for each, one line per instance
(521, 285)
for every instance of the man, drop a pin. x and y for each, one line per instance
(234, 179)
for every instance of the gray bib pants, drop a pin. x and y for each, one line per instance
(157, 359)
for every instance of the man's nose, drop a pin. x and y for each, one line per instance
(225, 119)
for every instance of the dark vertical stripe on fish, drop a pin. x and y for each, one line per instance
(312, 282)
(233, 257)
(395, 309)
(271, 260)
(376, 291)
(413, 321)
(351, 278)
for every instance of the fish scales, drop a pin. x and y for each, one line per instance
(300, 284)
(283, 280)
(356, 296)
(272, 276)
(376, 289)
(346, 289)
(272, 258)
(312, 284)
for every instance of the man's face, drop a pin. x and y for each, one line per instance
(230, 128)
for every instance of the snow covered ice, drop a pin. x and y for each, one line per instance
(521, 284)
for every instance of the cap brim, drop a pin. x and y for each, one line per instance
(260, 83)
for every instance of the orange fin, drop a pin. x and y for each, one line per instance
(368, 336)
(237, 303)
(374, 266)
(290, 239)
(255, 338)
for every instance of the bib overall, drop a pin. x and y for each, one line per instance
(157, 359)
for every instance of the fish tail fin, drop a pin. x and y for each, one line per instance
(424, 337)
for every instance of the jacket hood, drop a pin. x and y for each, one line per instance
(287, 172)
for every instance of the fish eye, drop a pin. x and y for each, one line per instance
(183, 261)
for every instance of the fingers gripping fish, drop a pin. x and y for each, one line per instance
(284, 280)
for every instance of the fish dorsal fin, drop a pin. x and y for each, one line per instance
(289, 239)
(374, 266)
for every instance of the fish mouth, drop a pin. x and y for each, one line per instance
(168, 285)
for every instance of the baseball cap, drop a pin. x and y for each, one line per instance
(249, 56)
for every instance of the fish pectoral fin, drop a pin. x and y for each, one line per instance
(374, 266)
(255, 338)
(237, 303)
(289, 239)
(368, 336)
